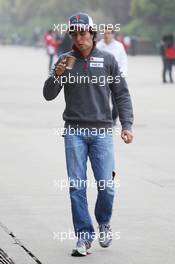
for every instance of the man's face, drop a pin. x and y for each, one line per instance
(83, 40)
(108, 37)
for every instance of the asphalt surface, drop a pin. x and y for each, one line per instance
(32, 163)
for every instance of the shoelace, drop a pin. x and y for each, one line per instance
(105, 229)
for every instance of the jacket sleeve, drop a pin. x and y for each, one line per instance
(52, 85)
(121, 95)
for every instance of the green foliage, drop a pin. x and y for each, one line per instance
(145, 18)
(156, 16)
(22, 16)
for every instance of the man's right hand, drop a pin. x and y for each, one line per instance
(60, 68)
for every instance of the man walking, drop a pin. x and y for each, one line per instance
(87, 111)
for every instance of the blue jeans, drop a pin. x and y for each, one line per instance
(100, 150)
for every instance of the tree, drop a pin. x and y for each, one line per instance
(158, 14)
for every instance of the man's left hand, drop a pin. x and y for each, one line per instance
(127, 136)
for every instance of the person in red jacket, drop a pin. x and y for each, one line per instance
(167, 51)
(52, 43)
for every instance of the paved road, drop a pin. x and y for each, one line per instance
(32, 161)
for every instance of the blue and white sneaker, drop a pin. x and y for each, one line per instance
(81, 249)
(105, 235)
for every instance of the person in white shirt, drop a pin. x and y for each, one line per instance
(109, 44)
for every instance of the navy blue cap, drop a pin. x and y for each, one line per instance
(80, 20)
